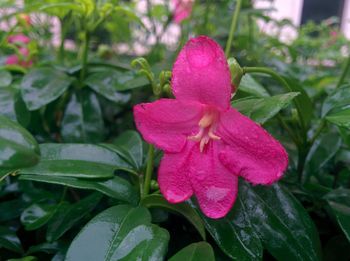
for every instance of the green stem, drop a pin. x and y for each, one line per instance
(344, 73)
(233, 27)
(149, 171)
(84, 57)
(318, 131)
(284, 83)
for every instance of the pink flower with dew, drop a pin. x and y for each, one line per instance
(18, 39)
(183, 9)
(207, 144)
(21, 61)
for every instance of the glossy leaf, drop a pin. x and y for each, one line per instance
(9, 240)
(158, 201)
(82, 120)
(338, 99)
(340, 118)
(5, 78)
(234, 233)
(117, 188)
(251, 86)
(195, 252)
(76, 160)
(339, 201)
(68, 215)
(42, 86)
(12, 106)
(282, 224)
(108, 84)
(303, 100)
(320, 153)
(17, 146)
(37, 215)
(129, 146)
(263, 109)
(120, 233)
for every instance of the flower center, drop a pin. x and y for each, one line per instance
(207, 126)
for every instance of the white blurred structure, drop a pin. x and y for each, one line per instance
(292, 10)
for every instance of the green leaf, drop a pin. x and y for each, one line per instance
(339, 202)
(120, 233)
(76, 160)
(129, 146)
(49, 248)
(37, 215)
(117, 188)
(26, 258)
(320, 153)
(82, 120)
(158, 201)
(69, 215)
(281, 222)
(340, 118)
(263, 109)
(303, 100)
(338, 99)
(9, 240)
(5, 78)
(195, 252)
(18, 148)
(42, 86)
(234, 233)
(12, 105)
(108, 84)
(251, 86)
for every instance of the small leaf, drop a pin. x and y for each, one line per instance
(37, 215)
(82, 120)
(251, 86)
(42, 86)
(9, 240)
(120, 233)
(109, 83)
(69, 215)
(18, 148)
(129, 146)
(263, 109)
(320, 153)
(5, 78)
(195, 252)
(117, 188)
(338, 99)
(340, 118)
(12, 106)
(158, 201)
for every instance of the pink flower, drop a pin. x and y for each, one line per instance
(207, 144)
(183, 9)
(21, 61)
(18, 39)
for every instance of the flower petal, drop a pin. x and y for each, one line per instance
(166, 123)
(201, 73)
(214, 186)
(173, 176)
(250, 151)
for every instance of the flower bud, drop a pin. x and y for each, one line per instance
(236, 73)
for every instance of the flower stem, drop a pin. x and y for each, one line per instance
(233, 27)
(344, 73)
(284, 83)
(84, 57)
(149, 171)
